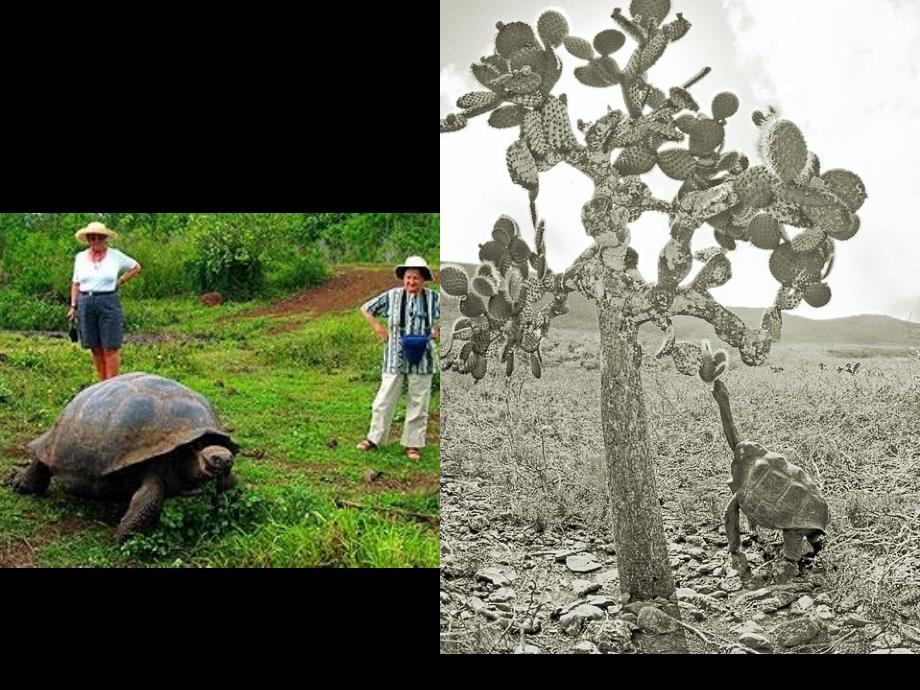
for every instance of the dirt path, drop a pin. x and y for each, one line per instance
(348, 289)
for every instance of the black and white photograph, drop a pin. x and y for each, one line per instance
(681, 342)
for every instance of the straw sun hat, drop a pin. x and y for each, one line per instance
(94, 228)
(414, 262)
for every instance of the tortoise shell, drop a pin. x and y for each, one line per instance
(776, 493)
(124, 421)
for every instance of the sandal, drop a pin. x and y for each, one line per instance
(366, 444)
(413, 454)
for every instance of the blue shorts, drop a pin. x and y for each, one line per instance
(100, 321)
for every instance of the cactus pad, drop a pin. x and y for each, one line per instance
(818, 294)
(783, 149)
(552, 28)
(454, 281)
(483, 286)
(808, 239)
(592, 75)
(678, 164)
(609, 41)
(764, 231)
(452, 123)
(500, 307)
(705, 136)
(521, 165)
(472, 305)
(557, 126)
(520, 252)
(579, 47)
(492, 251)
(835, 220)
(847, 186)
(536, 367)
(512, 37)
(754, 186)
(635, 160)
(724, 105)
(507, 116)
(687, 358)
(651, 12)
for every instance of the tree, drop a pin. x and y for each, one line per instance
(509, 302)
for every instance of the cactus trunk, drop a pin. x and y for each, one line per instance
(642, 551)
(638, 531)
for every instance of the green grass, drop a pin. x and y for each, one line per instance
(286, 398)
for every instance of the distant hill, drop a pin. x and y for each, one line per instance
(865, 329)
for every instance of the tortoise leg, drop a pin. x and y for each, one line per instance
(144, 511)
(733, 533)
(33, 480)
(793, 547)
(816, 539)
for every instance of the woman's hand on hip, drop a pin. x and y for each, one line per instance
(72, 314)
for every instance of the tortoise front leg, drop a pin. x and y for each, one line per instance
(733, 533)
(146, 504)
(794, 544)
(33, 480)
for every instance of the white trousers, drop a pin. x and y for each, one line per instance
(416, 409)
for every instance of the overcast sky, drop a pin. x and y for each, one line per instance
(845, 72)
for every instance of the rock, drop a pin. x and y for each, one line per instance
(718, 571)
(584, 587)
(445, 597)
(806, 602)
(529, 626)
(696, 553)
(795, 632)
(870, 632)
(497, 576)
(754, 595)
(737, 650)
(696, 540)
(675, 561)
(635, 606)
(585, 647)
(760, 616)
(609, 549)
(577, 616)
(824, 612)
(607, 577)
(730, 584)
(696, 615)
(502, 595)
(748, 627)
(582, 563)
(719, 594)
(624, 598)
(478, 523)
(755, 641)
(779, 600)
(706, 568)
(899, 650)
(823, 598)
(528, 649)
(887, 640)
(616, 637)
(705, 589)
(602, 601)
(654, 620)
(629, 617)
(685, 594)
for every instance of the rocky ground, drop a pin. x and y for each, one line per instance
(510, 588)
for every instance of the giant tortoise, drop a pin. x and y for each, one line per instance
(136, 436)
(771, 492)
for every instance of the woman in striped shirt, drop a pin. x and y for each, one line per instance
(410, 310)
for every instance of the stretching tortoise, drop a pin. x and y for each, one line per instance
(772, 492)
(136, 436)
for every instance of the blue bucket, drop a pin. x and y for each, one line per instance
(414, 347)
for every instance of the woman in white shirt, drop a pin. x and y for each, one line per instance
(94, 296)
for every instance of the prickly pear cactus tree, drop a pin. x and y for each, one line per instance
(784, 205)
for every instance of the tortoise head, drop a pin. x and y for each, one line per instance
(214, 461)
